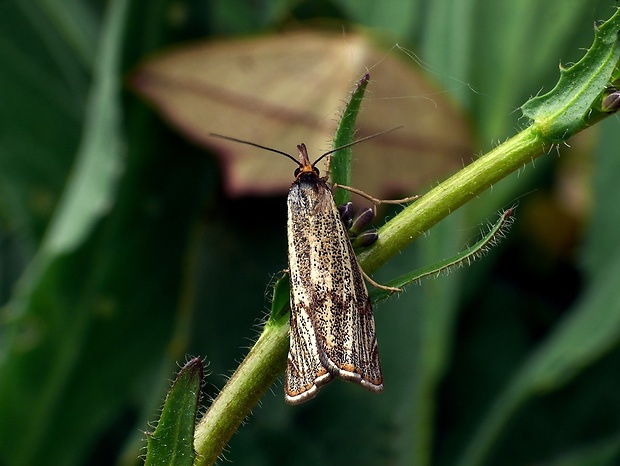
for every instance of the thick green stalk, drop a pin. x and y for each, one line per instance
(260, 368)
(452, 194)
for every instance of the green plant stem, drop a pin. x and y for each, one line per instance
(452, 194)
(260, 368)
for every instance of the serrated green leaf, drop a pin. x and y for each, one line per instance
(172, 442)
(565, 109)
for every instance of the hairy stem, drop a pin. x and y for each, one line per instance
(266, 360)
(260, 368)
(452, 194)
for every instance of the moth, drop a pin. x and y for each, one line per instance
(332, 328)
(332, 325)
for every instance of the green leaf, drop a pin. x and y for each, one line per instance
(470, 254)
(604, 230)
(76, 23)
(172, 442)
(600, 453)
(340, 168)
(281, 297)
(42, 323)
(398, 17)
(569, 105)
(90, 191)
(93, 313)
(43, 89)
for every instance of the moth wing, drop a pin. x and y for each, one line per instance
(346, 333)
(305, 372)
(332, 326)
(343, 321)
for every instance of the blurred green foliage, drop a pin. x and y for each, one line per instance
(119, 254)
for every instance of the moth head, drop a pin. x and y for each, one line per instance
(305, 166)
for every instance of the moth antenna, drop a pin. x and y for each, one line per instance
(357, 141)
(241, 141)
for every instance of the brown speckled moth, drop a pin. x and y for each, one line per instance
(332, 325)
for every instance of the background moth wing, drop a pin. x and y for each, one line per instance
(252, 85)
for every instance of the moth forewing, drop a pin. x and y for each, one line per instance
(332, 325)
(305, 372)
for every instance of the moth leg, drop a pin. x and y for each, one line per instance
(376, 201)
(354, 226)
(391, 289)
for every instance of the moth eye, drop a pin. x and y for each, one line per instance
(297, 172)
(316, 170)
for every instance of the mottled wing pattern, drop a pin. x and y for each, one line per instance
(332, 325)
(305, 372)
